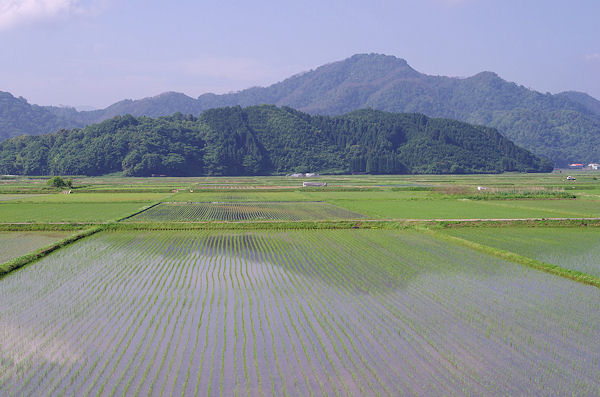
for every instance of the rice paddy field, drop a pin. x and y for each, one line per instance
(242, 211)
(15, 244)
(568, 247)
(374, 303)
(65, 212)
(348, 312)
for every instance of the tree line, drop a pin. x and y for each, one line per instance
(264, 140)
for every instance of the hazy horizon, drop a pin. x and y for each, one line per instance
(97, 52)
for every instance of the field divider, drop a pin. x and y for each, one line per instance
(391, 224)
(144, 209)
(556, 270)
(26, 259)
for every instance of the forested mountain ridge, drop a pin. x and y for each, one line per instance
(262, 140)
(563, 127)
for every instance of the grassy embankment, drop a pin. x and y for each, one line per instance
(21, 261)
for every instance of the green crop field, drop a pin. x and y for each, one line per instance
(240, 286)
(568, 247)
(448, 208)
(65, 212)
(90, 198)
(242, 211)
(353, 312)
(15, 244)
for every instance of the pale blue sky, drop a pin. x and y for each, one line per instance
(96, 52)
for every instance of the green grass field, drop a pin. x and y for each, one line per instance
(65, 212)
(436, 208)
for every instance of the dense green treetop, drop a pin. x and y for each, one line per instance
(262, 140)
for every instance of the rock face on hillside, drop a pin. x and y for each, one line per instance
(564, 127)
(262, 140)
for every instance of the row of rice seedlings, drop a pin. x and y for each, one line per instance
(374, 270)
(220, 259)
(248, 247)
(188, 338)
(120, 299)
(51, 337)
(322, 317)
(253, 296)
(425, 298)
(315, 317)
(137, 315)
(369, 289)
(448, 339)
(85, 305)
(474, 298)
(328, 268)
(149, 361)
(233, 274)
(32, 339)
(126, 369)
(305, 331)
(332, 274)
(139, 319)
(346, 271)
(183, 262)
(214, 247)
(270, 247)
(117, 296)
(330, 265)
(231, 211)
(200, 322)
(269, 298)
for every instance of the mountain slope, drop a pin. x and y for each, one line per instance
(564, 127)
(18, 117)
(264, 140)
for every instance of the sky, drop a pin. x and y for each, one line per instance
(97, 52)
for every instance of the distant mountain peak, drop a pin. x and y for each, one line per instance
(563, 127)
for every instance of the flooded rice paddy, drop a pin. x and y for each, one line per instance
(243, 211)
(348, 312)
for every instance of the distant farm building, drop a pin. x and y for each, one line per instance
(307, 175)
(576, 166)
(593, 166)
(314, 184)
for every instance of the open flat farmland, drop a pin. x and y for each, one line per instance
(348, 312)
(242, 211)
(568, 247)
(65, 212)
(431, 207)
(15, 244)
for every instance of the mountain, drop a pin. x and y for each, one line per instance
(18, 117)
(564, 128)
(262, 140)
(589, 102)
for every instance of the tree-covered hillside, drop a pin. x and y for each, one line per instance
(263, 140)
(564, 127)
(18, 117)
